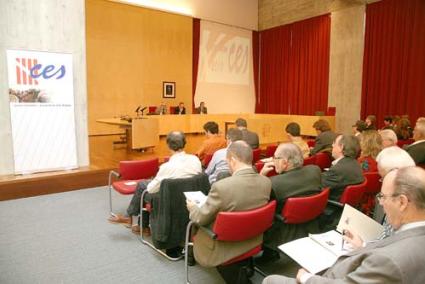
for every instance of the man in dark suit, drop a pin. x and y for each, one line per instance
(180, 109)
(324, 138)
(202, 109)
(248, 136)
(345, 169)
(244, 190)
(292, 180)
(396, 259)
(417, 149)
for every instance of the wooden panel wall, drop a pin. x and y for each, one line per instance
(130, 52)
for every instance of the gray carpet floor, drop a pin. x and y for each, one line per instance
(65, 238)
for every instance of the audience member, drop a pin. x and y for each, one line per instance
(180, 109)
(370, 122)
(403, 129)
(324, 138)
(202, 109)
(218, 167)
(389, 138)
(293, 132)
(396, 259)
(293, 180)
(370, 145)
(213, 142)
(162, 109)
(248, 136)
(345, 170)
(417, 149)
(244, 190)
(359, 127)
(180, 165)
(388, 122)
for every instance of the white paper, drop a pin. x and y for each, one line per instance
(360, 224)
(196, 196)
(130, 183)
(332, 241)
(309, 254)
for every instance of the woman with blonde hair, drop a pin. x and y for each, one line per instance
(370, 145)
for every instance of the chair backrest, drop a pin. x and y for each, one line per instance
(299, 210)
(207, 159)
(259, 166)
(244, 225)
(152, 109)
(310, 161)
(353, 194)
(256, 155)
(373, 185)
(172, 110)
(401, 143)
(270, 150)
(323, 160)
(311, 143)
(139, 169)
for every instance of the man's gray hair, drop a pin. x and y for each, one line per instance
(241, 151)
(292, 153)
(393, 158)
(410, 181)
(389, 134)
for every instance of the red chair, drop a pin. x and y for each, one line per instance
(172, 110)
(298, 210)
(152, 109)
(270, 150)
(310, 161)
(207, 160)
(237, 227)
(401, 143)
(373, 187)
(129, 174)
(259, 166)
(323, 160)
(352, 195)
(256, 153)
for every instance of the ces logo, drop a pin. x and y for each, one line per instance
(29, 70)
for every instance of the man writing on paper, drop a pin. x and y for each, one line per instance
(396, 259)
(244, 190)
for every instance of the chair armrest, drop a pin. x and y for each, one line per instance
(113, 173)
(279, 218)
(335, 203)
(209, 232)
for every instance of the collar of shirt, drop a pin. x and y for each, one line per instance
(241, 169)
(411, 226)
(177, 154)
(337, 160)
(417, 142)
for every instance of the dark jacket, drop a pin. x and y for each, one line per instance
(323, 142)
(346, 172)
(169, 216)
(417, 152)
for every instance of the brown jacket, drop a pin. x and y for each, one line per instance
(244, 190)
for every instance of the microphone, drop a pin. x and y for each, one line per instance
(137, 109)
(143, 109)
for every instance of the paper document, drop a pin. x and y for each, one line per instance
(196, 196)
(318, 252)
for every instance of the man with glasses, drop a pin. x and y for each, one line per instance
(292, 180)
(397, 259)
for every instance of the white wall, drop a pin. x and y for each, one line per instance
(44, 25)
(240, 13)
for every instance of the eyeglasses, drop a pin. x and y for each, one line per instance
(380, 196)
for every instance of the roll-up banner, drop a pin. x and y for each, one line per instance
(42, 111)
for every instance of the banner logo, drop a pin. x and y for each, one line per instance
(28, 71)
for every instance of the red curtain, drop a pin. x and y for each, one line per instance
(196, 26)
(394, 59)
(294, 67)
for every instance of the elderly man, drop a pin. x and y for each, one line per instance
(248, 136)
(180, 165)
(397, 259)
(213, 142)
(218, 167)
(417, 149)
(292, 180)
(345, 169)
(244, 190)
(389, 138)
